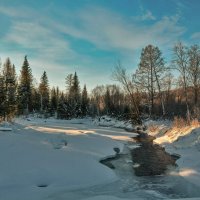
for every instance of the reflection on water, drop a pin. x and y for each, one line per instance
(144, 187)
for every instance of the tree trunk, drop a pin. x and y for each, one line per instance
(160, 93)
(195, 95)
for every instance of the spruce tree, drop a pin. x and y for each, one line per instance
(74, 97)
(36, 99)
(25, 88)
(2, 93)
(44, 92)
(69, 82)
(8, 89)
(84, 102)
(62, 110)
(54, 101)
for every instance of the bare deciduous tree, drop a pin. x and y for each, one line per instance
(194, 70)
(180, 63)
(149, 74)
(121, 76)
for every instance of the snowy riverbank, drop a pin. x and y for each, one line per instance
(59, 159)
(184, 141)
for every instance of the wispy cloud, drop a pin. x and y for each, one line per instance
(109, 30)
(49, 40)
(145, 14)
(37, 37)
(195, 36)
(148, 16)
(100, 26)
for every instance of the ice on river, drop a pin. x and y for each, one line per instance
(59, 159)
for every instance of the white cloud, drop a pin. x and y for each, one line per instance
(44, 38)
(19, 12)
(145, 16)
(37, 37)
(148, 16)
(104, 28)
(196, 36)
(109, 30)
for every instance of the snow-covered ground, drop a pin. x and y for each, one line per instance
(183, 141)
(40, 158)
(59, 159)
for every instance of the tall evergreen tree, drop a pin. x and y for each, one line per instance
(62, 110)
(36, 99)
(54, 100)
(69, 82)
(84, 101)
(25, 88)
(2, 92)
(9, 90)
(74, 97)
(44, 92)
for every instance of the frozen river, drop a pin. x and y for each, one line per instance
(63, 157)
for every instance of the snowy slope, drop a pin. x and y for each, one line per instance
(185, 142)
(42, 157)
(59, 160)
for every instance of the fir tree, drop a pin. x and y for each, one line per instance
(2, 93)
(84, 102)
(36, 99)
(8, 90)
(74, 98)
(44, 92)
(25, 88)
(54, 100)
(69, 82)
(63, 108)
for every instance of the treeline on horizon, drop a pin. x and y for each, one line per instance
(151, 91)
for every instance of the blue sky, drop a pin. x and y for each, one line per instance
(90, 36)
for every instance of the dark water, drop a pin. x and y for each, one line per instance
(151, 158)
(166, 185)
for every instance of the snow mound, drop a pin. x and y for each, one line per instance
(5, 129)
(5, 126)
